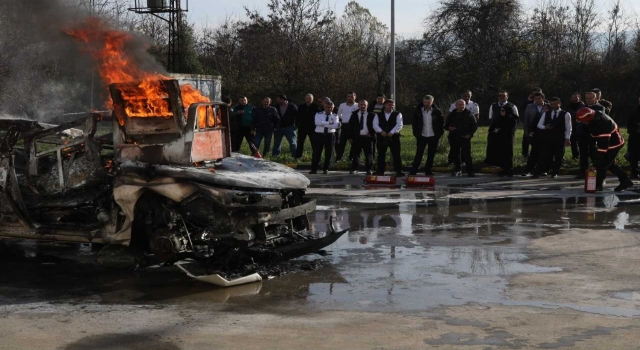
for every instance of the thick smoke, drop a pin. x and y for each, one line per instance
(44, 72)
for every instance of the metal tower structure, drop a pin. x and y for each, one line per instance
(170, 11)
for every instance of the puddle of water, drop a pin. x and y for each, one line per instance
(416, 252)
(633, 295)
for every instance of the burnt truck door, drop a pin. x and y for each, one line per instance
(14, 217)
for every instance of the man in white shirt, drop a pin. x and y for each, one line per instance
(428, 124)
(361, 129)
(554, 130)
(325, 131)
(388, 125)
(344, 114)
(473, 107)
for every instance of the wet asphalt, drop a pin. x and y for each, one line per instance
(408, 250)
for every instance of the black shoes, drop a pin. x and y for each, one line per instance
(526, 175)
(312, 172)
(325, 172)
(580, 176)
(400, 174)
(428, 173)
(471, 175)
(353, 172)
(413, 173)
(368, 172)
(624, 185)
(553, 176)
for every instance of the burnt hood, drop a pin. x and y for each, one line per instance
(238, 171)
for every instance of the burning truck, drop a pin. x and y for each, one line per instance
(154, 174)
(165, 184)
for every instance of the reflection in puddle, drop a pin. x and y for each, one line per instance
(406, 252)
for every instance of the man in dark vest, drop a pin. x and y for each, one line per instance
(387, 125)
(461, 124)
(554, 134)
(608, 143)
(428, 124)
(361, 137)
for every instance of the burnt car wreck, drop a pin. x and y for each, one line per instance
(162, 183)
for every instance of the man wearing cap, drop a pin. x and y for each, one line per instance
(344, 113)
(608, 142)
(288, 113)
(361, 131)
(326, 124)
(387, 125)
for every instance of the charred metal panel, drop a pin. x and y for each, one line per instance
(207, 145)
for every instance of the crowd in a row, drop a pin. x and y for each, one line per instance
(374, 129)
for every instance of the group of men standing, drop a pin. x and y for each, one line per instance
(373, 129)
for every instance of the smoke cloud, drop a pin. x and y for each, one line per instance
(44, 72)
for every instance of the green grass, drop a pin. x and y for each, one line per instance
(408, 150)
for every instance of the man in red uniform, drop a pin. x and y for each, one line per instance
(608, 141)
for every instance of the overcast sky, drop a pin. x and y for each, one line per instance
(409, 13)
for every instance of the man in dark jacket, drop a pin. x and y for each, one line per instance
(361, 137)
(608, 143)
(428, 127)
(288, 113)
(503, 116)
(267, 120)
(633, 146)
(244, 120)
(461, 125)
(579, 136)
(305, 122)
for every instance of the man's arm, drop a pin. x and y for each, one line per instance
(321, 120)
(515, 110)
(490, 112)
(398, 127)
(376, 124)
(474, 126)
(568, 128)
(541, 125)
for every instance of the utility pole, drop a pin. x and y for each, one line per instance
(393, 50)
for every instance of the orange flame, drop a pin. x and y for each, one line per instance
(147, 97)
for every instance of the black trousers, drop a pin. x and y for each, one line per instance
(322, 142)
(341, 143)
(525, 145)
(360, 145)
(585, 145)
(383, 144)
(575, 150)
(608, 162)
(302, 138)
(551, 156)
(431, 143)
(237, 137)
(461, 148)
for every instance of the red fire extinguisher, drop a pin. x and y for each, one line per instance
(590, 181)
